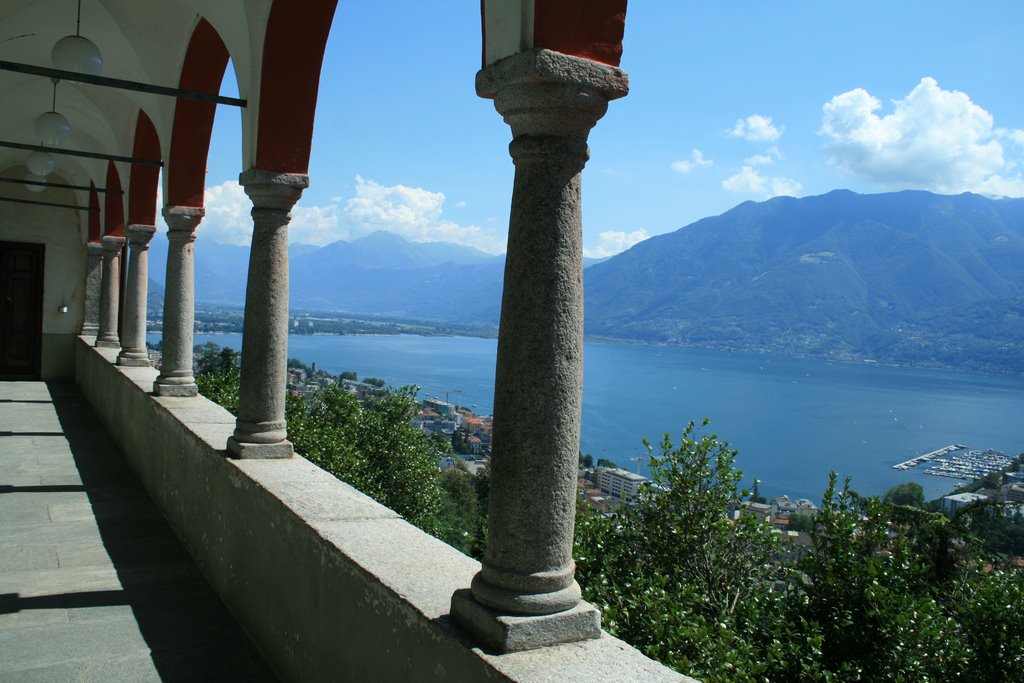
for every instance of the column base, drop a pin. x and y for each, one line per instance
(108, 344)
(90, 330)
(133, 359)
(260, 451)
(507, 633)
(160, 389)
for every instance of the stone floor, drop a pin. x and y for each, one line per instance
(94, 586)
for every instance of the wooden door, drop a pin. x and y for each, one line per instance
(21, 309)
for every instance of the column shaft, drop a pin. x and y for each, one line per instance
(133, 350)
(110, 282)
(175, 377)
(93, 284)
(551, 101)
(260, 430)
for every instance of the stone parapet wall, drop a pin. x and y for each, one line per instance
(329, 584)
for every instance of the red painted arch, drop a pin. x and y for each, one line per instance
(144, 180)
(591, 29)
(113, 203)
(202, 70)
(94, 213)
(293, 52)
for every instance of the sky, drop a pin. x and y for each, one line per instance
(729, 101)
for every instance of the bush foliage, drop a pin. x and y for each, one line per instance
(885, 592)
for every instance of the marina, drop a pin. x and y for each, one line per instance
(971, 465)
(945, 450)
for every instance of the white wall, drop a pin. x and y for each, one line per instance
(64, 264)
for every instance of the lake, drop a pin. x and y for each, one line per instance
(792, 420)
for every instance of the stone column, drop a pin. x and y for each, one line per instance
(109, 290)
(93, 284)
(260, 429)
(525, 594)
(175, 378)
(133, 349)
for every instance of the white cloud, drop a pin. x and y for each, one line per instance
(785, 187)
(612, 242)
(696, 161)
(414, 213)
(317, 225)
(1015, 135)
(757, 128)
(227, 217)
(759, 160)
(749, 181)
(934, 139)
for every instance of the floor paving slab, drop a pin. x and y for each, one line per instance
(94, 585)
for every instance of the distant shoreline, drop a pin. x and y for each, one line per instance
(362, 326)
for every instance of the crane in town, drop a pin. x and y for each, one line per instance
(451, 391)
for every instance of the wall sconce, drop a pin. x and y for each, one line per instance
(63, 308)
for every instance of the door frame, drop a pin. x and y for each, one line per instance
(37, 305)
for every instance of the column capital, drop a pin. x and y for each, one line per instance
(94, 248)
(272, 189)
(183, 219)
(111, 243)
(544, 93)
(140, 235)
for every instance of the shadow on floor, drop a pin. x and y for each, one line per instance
(190, 633)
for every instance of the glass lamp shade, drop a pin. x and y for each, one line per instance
(52, 128)
(40, 163)
(75, 53)
(38, 179)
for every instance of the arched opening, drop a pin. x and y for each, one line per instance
(290, 82)
(144, 179)
(202, 70)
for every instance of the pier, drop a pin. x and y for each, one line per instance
(945, 450)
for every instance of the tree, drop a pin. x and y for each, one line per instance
(861, 591)
(296, 363)
(605, 462)
(674, 576)
(884, 592)
(801, 521)
(372, 446)
(910, 493)
(348, 374)
(586, 461)
(755, 493)
(375, 381)
(460, 518)
(218, 376)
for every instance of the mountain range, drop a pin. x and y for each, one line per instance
(904, 277)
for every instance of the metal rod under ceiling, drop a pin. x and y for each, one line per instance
(76, 153)
(120, 84)
(62, 186)
(39, 203)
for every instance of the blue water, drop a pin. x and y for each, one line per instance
(792, 420)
